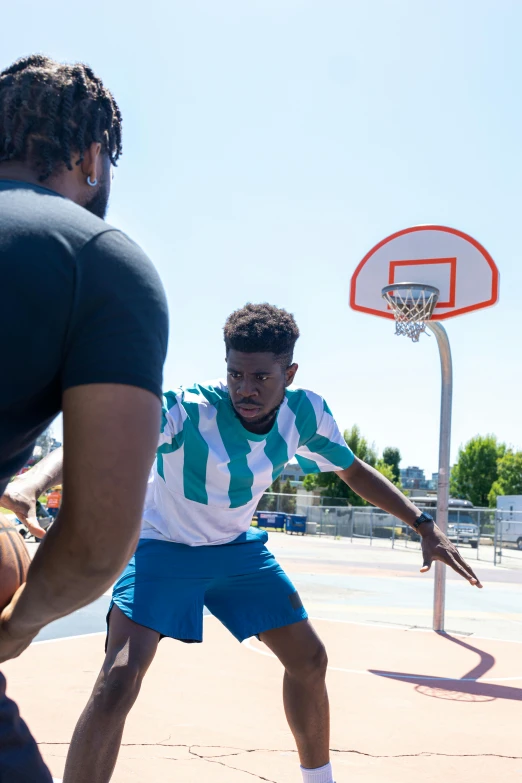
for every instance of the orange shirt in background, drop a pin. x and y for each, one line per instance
(54, 499)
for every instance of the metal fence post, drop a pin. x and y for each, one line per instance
(500, 544)
(371, 527)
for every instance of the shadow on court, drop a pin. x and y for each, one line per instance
(469, 685)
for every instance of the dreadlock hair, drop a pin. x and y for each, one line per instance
(50, 111)
(259, 328)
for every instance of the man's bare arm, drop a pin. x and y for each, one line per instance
(110, 438)
(21, 494)
(46, 473)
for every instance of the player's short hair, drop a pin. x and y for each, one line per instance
(50, 112)
(260, 328)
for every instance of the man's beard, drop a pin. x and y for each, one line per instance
(268, 418)
(99, 203)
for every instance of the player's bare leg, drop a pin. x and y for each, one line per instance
(96, 740)
(303, 655)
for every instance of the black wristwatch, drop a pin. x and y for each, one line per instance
(423, 518)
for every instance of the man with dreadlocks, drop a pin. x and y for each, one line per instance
(222, 444)
(98, 357)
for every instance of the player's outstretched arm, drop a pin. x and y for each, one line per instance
(110, 437)
(371, 485)
(21, 494)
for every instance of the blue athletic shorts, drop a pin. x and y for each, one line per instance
(166, 586)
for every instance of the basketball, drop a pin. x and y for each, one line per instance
(14, 561)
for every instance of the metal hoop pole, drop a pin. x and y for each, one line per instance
(439, 596)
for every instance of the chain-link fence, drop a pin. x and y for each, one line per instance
(495, 536)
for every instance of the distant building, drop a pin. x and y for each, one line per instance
(413, 477)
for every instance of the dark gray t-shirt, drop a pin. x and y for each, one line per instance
(80, 303)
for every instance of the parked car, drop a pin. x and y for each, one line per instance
(462, 529)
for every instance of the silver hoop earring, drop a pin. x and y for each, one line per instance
(91, 183)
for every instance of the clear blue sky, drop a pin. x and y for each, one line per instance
(268, 144)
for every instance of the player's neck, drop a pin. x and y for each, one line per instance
(263, 428)
(17, 171)
(20, 172)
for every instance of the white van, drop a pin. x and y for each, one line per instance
(509, 508)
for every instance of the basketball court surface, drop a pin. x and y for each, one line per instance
(407, 703)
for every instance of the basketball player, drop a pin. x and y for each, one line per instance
(221, 446)
(97, 355)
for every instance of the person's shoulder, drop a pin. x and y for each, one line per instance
(206, 394)
(296, 395)
(307, 405)
(114, 258)
(105, 240)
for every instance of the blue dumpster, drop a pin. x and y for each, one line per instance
(295, 523)
(271, 519)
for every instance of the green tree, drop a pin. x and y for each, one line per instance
(387, 471)
(392, 457)
(476, 469)
(509, 481)
(276, 486)
(331, 485)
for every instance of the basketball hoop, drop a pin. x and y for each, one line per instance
(455, 274)
(412, 305)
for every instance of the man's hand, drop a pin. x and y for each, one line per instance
(20, 497)
(11, 646)
(436, 546)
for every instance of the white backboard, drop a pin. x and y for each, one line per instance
(450, 260)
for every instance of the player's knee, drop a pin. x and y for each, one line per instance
(119, 688)
(311, 665)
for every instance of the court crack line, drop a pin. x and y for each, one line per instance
(229, 766)
(240, 751)
(424, 753)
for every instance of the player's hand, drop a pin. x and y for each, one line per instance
(12, 645)
(436, 546)
(20, 498)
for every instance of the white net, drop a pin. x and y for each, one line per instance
(412, 305)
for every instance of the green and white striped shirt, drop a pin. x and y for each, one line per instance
(210, 472)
